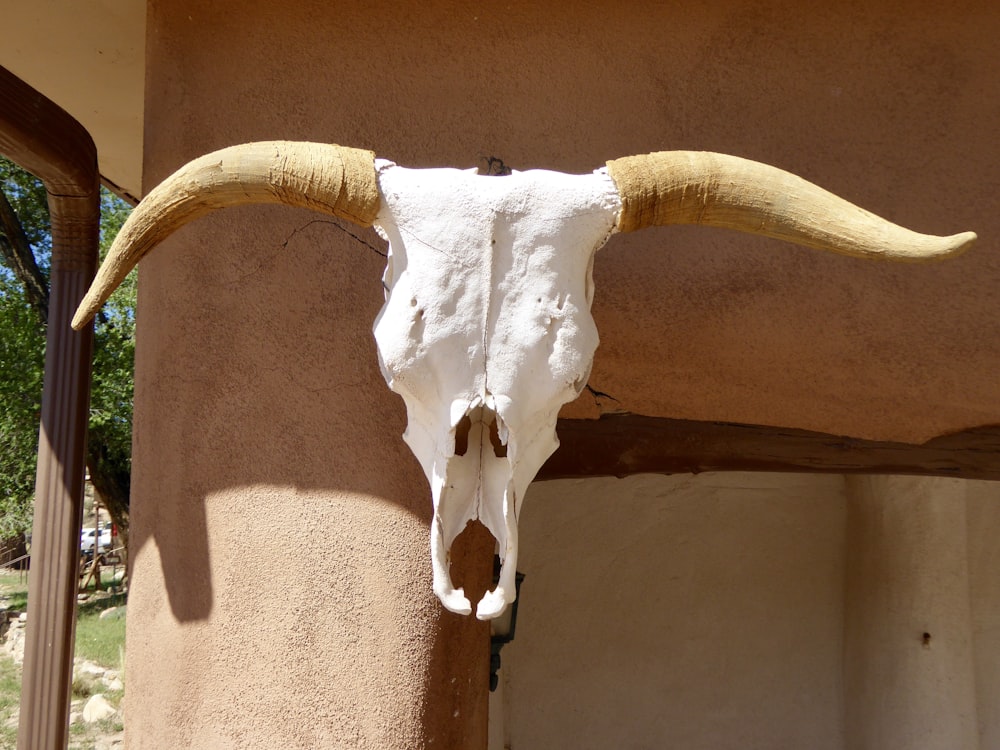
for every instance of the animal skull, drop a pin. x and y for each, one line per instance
(486, 331)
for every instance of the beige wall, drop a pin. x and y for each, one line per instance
(984, 572)
(724, 611)
(694, 612)
(281, 579)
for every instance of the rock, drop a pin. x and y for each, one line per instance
(107, 614)
(14, 643)
(75, 717)
(23, 617)
(112, 613)
(89, 669)
(97, 709)
(115, 684)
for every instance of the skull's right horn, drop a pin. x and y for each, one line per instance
(334, 180)
(693, 187)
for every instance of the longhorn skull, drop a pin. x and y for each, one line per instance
(486, 330)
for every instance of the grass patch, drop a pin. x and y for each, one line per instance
(100, 641)
(10, 699)
(97, 640)
(10, 679)
(82, 735)
(14, 590)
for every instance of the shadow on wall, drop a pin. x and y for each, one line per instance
(254, 434)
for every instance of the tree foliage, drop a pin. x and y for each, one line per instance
(22, 349)
(25, 259)
(109, 439)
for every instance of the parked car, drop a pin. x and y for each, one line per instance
(87, 540)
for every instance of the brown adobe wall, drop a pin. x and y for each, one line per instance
(270, 482)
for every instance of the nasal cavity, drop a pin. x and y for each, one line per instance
(499, 449)
(462, 437)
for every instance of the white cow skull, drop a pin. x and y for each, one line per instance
(486, 331)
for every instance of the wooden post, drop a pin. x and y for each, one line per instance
(46, 141)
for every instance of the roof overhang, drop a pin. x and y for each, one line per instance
(89, 58)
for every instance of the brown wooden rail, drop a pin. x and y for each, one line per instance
(620, 445)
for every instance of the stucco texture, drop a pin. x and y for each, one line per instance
(281, 579)
(735, 610)
(678, 612)
(885, 107)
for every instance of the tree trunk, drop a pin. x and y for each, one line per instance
(16, 250)
(113, 487)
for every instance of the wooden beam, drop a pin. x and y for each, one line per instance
(621, 445)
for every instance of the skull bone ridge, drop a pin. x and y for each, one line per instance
(486, 332)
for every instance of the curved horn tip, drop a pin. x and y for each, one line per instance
(91, 303)
(688, 187)
(80, 320)
(933, 248)
(85, 312)
(962, 242)
(336, 180)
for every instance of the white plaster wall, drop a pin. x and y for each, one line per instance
(686, 611)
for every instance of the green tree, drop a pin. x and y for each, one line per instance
(25, 254)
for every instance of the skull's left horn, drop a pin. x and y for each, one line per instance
(331, 179)
(693, 187)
